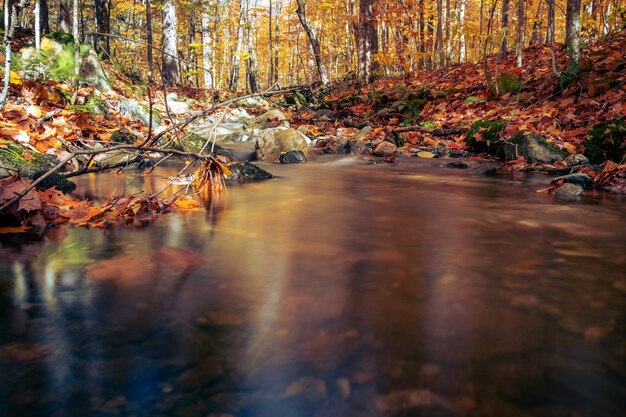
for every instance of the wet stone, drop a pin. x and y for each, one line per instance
(246, 172)
(569, 192)
(324, 115)
(580, 179)
(385, 148)
(576, 160)
(292, 157)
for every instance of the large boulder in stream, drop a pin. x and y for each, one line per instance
(533, 148)
(271, 143)
(243, 172)
(272, 118)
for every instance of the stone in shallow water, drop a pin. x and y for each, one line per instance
(385, 148)
(292, 157)
(581, 179)
(575, 160)
(569, 192)
(246, 172)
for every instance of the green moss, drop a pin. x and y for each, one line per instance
(93, 105)
(484, 137)
(506, 83)
(473, 99)
(123, 136)
(25, 162)
(61, 37)
(606, 142)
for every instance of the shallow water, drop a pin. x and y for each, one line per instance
(337, 289)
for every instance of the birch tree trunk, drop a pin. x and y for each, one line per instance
(276, 41)
(234, 76)
(536, 37)
(439, 35)
(315, 45)
(207, 51)
(462, 47)
(37, 24)
(8, 37)
(521, 24)
(170, 70)
(76, 52)
(64, 17)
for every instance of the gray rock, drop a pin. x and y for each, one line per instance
(4, 173)
(324, 115)
(272, 142)
(92, 73)
(177, 107)
(385, 148)
(313, 389)
(246, 172)
(533, 148)
(255, 102)
(171, 97)
(335, 145)
(569, 191)
(271, 118)
(292, 157)
(581, 179)
(361, 147)
(364, 132)
(136, 111)
(576, 160)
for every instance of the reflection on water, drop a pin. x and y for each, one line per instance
(335, 290)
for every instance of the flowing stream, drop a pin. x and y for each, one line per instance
(338, 289)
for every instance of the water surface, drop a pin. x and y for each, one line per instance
(337, 289)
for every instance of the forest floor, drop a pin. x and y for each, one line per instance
(451, 113)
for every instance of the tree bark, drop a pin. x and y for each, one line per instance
(234, 76)
(505, 29)
(207, 51)
(366, 41)
(8, 37)
(439, 35)
(521, 24)
(170, 70)
(315, 45)
(536, 37)
(551, 24)
(37, 16)
(64, 17)
(572, 31)
(149, 38)
(462, 47)
(76, 51)
(103, 26)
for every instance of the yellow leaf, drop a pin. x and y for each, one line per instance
(186, 203)
(426, 154)
(34, 111)
(15, 78)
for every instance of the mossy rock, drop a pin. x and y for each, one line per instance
(506, 83)
(25, 162)
(61, 37)
(93, 105)
(534, 149)
(123, 136)
(606, 142)
(54, 180)
(484, 137)
(296, 99)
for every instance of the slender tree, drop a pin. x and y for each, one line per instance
(315, 45)
(572, 31)
(8, 37)
(170, 70)
(64, 17)
(102, 41)
(521, 23)
(505, 30)
(234, 76)
(366, 41)
(207, 50)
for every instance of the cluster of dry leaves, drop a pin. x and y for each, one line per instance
(40, 208)
(460, 96)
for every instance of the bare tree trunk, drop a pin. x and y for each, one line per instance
(207, 51)
(270, 29)
(8, 37)
(521, 24)
(276, 42)
(64, 17)
(536, 37)
(149, 38)
(170, 70)
(365, 39)
(76, 52)
(447, 18)
(234, 75)
(439, 36)
(37, 24)
(462, 47)
(315, 45)
(505, 29)
(572, 31)
(551, 23)
(251, 58)
(103, 26)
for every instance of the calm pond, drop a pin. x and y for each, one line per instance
(339, 289)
